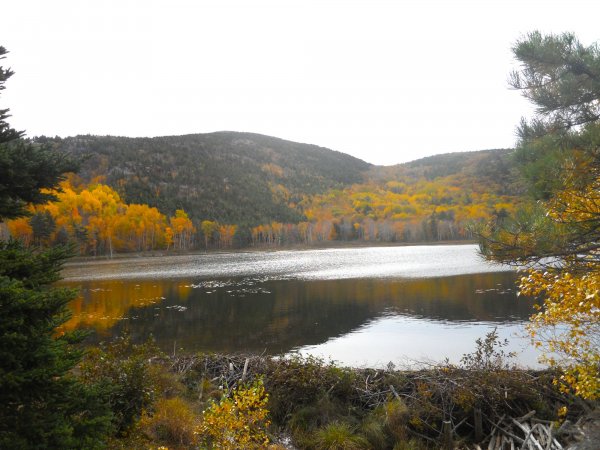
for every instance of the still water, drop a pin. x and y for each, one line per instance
(360, 307)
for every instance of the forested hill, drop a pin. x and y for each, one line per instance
(431, 199)
(490, 170)
(238, 189)
(231, 177)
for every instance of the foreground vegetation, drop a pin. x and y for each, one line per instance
(246, 401)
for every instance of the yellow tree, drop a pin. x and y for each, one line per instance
(238, 422)
(143, 226)
(183, 229)
(168, 237)
(255, 233)
(101, 205)
(226, 234)
(277, 229)
(66, 209)
(209, 228)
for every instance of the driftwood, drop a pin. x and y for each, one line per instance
(478, 422)
(507, 433)
(447, 440)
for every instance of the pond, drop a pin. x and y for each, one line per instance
(359, 306)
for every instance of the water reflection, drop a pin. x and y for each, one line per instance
(407, 341)
(279, 315)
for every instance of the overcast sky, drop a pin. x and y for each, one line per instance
(385, 81)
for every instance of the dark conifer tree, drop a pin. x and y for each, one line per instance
(42, 405)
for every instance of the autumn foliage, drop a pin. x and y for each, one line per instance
(101, 222)
(392, 211)
(98, 220)
(240, 421)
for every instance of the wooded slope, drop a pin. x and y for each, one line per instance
(272, 191)
(230, 177)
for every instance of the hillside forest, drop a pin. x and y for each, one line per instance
(231, 190)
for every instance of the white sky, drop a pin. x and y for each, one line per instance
(385, 81)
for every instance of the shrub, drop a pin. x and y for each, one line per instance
(373, 429)
(396, 418)
(124, 369)
(237, 422)
(339, 436)
(172, 423)
(296, 382)
(488, 354)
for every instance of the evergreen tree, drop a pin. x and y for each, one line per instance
(42, 404)
(558, 152)
(558, 237)
(7, 133)
(43, 224)
(26, 170)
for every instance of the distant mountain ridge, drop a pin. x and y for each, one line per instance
(250, 179)
(493, 169)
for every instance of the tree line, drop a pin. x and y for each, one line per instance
(97, 219)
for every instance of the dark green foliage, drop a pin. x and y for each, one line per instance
(62, 236)
(42, 224)
(7, 133)
(125, 373)
(35, 269)
(42, 404)
(561, 77)
(26, 169)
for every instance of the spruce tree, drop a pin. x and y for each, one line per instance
(42, 404)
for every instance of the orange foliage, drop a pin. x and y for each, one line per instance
(101, 223)
(21, 230)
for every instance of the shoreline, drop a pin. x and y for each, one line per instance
(415, 406)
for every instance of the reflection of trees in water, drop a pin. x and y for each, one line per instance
(101, 305)
(279, 315)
